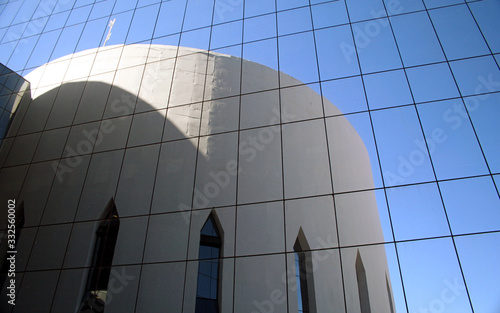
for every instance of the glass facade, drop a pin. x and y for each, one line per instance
(366, 128)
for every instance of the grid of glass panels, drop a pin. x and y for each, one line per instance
(418, 79)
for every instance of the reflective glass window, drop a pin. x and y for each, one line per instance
(450, 138)
(387, 89)
(411, 40)
(258, 7)
(225, 11)
(143, 24)
(346, 95)
(329, 14)
(485, 13)
(432, 82)
(402, 150)
(198, 14)
(336, 53)
(297, 58)
(290, 4)
(294, 21)
(170, 18)
(484, 111)
(226, 34)
(360, 10)
(478, 261)
(451, 23)
(375, 46)
(417, 212)
(472, 205)
(476, 76)
(260, 27)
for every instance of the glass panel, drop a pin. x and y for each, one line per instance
(135, 187)
(143, 24)
(450, 138)
(260, 109)
(260, 27)
(403, 153)
(175, 177)
(170, 18)
(198, 14)
(259, 229)
(167, 238)
(450, 24)
(258, 7)
(344, 95)
(92, 34)
(297, 58)
(304, 169)
(411, 39)
(387, 89)
(220, 116)
(290, 4)
(157, 293)
(478, 260)
(360, 10)
(226, 11)
(260, 176)
(301, 103)
(476, 76)
(266, 273)
(79, 15)
(432, 82)
(226, 34)
(336, 54)
(100, 184)
(216, 171)
(483, 111)
(485, 14)
(354, 158)
(472, 205)
(263, 52)
(329, 14)
(294, 21)
(375, 45)
(403, 6)
(49, 248)
(102, 9)
(430, 4)
(146, 128)
(67, 41)
(182, 122)
(120, 26)
(432, 276)
(417, 212)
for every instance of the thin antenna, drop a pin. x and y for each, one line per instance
(110, 25)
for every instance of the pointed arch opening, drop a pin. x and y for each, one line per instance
(208, 285)
(304, 277)
(94, 297)
(364, 298)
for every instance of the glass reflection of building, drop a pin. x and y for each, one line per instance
(418, 81)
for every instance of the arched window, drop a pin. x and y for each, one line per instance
(304, 275)
(94, 297)
(364, 299)
(207, 292)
